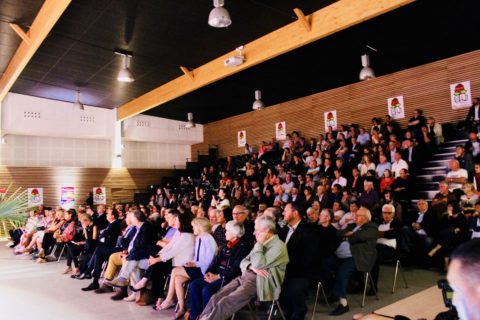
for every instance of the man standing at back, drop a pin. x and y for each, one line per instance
(302, 241)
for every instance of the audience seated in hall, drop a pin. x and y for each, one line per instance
(308, 209)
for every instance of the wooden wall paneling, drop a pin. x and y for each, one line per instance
(425, 87)
(121, 184)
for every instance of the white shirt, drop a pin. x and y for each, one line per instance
(387, 242)
(460, 173)
(341, 181)
(291, 230)
(180, 249)
(421, 215)
(397, 166)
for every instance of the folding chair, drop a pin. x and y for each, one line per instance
(368, 279)
(319, 287)
(398, 267)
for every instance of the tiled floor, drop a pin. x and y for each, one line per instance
(32, 291)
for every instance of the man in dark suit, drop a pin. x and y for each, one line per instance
(356, 252)
(141, 247)
(301, 240)
(328, 168)
(412, 156)
(420, 233)
(472, 120)
(107, 245)
(322, 196)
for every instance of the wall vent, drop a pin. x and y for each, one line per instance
(143, 123)
(31, 115)
(87, 119)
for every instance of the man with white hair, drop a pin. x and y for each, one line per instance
(262, 276)
(388, 236)
(356, 252)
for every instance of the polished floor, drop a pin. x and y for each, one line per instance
(32, 291)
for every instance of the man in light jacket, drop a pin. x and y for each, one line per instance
(263, 271)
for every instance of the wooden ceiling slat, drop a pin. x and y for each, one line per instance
(41, 27)
(334, 18)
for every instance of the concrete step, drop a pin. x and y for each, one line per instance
(453, 143)
(427, 186)
(429, 178)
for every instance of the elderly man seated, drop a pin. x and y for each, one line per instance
(262, 276)
(388, 237)
(356, 252)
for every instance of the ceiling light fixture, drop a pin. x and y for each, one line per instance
(236, 60)
(258, 103)
(77, 105)
(190, 124)
(125, 75)
(219, 16)
(366, 73)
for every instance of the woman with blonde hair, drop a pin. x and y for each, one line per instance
(205, 251)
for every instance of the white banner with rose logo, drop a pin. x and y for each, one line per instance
(35, 197)
(99, 195)
(242, 138)
(396, 107)
(330, 119)
(280, 131)
(461, 95)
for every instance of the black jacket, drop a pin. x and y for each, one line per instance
(302, 248)
(126, 238)
(110, 234)
(429, 223)
(394, 232)
(363, 245)
(144, 243)
(227, 262)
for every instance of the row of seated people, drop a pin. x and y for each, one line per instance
(193, 257)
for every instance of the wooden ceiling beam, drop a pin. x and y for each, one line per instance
(324, 22)
(46, 18)
(19, 31)
(301, 17)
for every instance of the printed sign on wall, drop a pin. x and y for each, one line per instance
(330, 119)
(99, 195)
(396, 107)
(35, 197)
(242, 138)
(461, 95)
(280, 131)
(67, 197)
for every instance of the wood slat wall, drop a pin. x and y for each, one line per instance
(426, 87)
(121, 184)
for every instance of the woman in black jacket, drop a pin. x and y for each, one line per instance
(225, 267)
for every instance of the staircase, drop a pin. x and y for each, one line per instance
(435, 170)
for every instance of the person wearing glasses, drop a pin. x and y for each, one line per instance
(357, 251)
(240, 214)
(388, 236)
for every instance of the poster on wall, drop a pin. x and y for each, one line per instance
(461, 95)
(396, 108)
(67, 197)
(242, 138)
(35, 197)
(99, 195)
(330, 119)
(280, 131)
